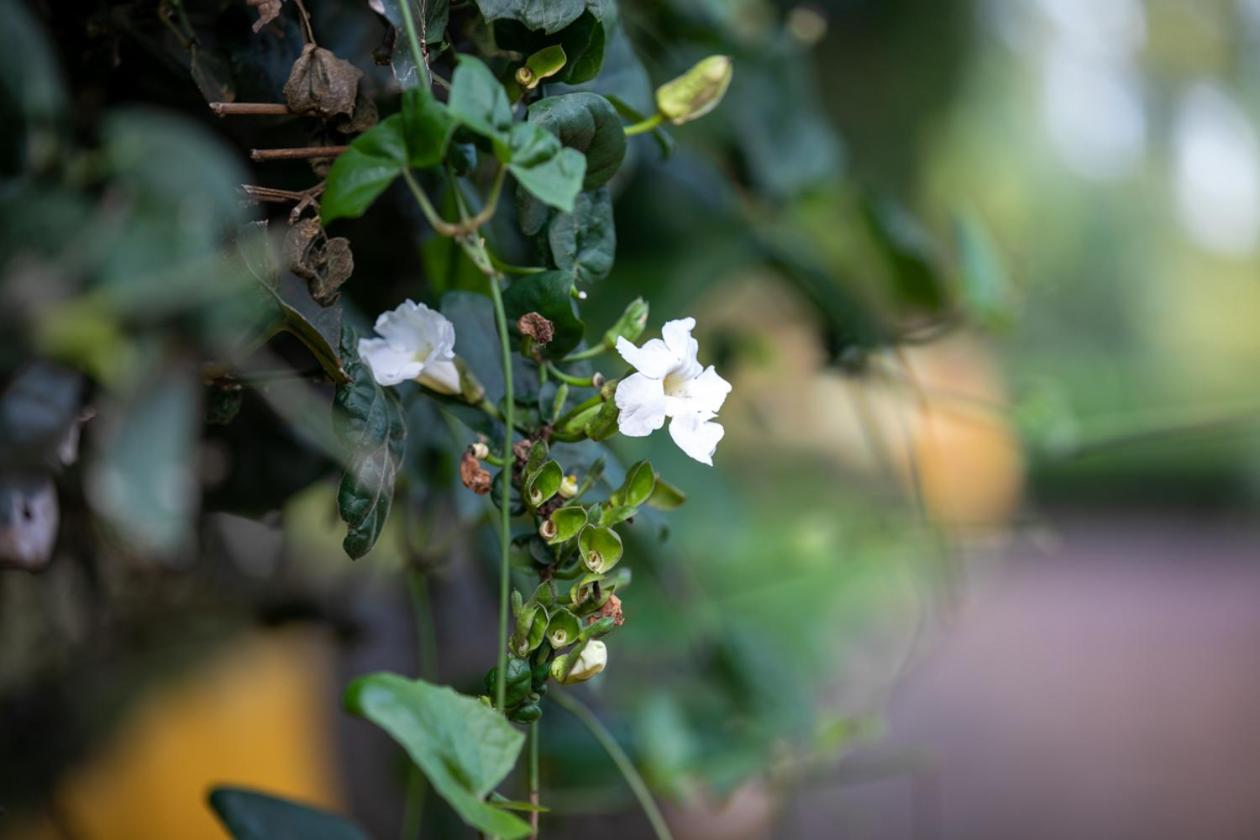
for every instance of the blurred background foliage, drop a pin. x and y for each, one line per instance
(963, 262)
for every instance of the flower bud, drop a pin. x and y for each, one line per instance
(569, 486)
(696, 92)
(591, 660)
(630, 325)
(480, 450)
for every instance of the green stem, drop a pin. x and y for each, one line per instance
(417, 53)
(569, 379)
(508, 268)
(588, 353)
(606, 740)
(467, 225)
(505, 520)
(645, 126)
(534, 797)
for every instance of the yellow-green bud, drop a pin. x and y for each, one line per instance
(696, 92)
(569, 486)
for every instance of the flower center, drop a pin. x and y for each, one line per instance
(675, 383)
(422, 351)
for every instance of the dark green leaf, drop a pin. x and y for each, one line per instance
(549, 170)
(588, 123)
(479, 102)
(431, 29)
(463, 747)
(251, 815)
(427, 128)
(364, 171)
(582, 41)
(550, 294)
(37, 412)
(585, 241)
(910, 253)
(622, 75)
(370, 423)
(546, 15)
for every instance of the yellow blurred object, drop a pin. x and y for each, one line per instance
(937, 413)
(252, 716)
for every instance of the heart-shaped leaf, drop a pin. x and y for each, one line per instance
(585, 241)
(364, 171)
(462, 746)
(587, 122)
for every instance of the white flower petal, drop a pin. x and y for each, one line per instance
(442, 376)
(653, 359)
(641, 401)
(418, 328)
(696, 435)
(677, 335)
(707, 391)
(389, 365)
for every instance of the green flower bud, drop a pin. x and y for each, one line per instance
(600, 548)
(580, 665)
(604, 424)
(696, 92)
(541, 65)
(563, 629)
(630, 325)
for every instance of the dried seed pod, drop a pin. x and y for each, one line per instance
(321, 84)
(324, 263)
(536, 327)
(474, 476)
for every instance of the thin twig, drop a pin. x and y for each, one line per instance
(606, 740)
(302, 153)
(231, 109)
(307, 32)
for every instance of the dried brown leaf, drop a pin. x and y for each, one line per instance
(268, 10)
(324, 263)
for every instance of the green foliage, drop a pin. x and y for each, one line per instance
(463, 747)
(551, 172)
(427, 128)
(480, 103)
(251, 815)
(585, 240)
(600, 548)
(370, 423)
(546, 15)
(365, 170)
(588, 123)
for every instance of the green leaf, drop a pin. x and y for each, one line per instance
(370, 423)
(568, 521)
(541, 164)
(600, 548)
(589, 123)
(585, 241)
(666, 496)
(427, 128)
(252, 815)
(546, 15)
(638, 486)
(463, 747)
(365, 170)
(480, 103)
(550, 295)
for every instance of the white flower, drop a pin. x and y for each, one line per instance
(592, 660)
(671, 383)
(416, 343)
